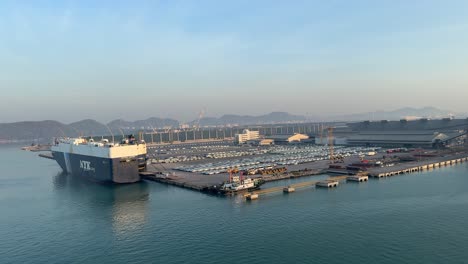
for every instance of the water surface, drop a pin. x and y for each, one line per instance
(48, 217)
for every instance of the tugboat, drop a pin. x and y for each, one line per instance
(238, 184)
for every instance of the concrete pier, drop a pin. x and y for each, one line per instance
(208, 183)
(413, 167)
(251, 196)
(403, 168)
(327, 184)
(357, 178)
(171, 180)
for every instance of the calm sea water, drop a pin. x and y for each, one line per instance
(47, 217)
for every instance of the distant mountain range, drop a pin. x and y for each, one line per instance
(45, 130)
(271, 118)
(407, 112)
(150, 123)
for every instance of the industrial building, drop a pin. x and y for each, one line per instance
(246, 136)
(416, 133)
(423, 124)
(402, 138)
(288, 139)
(337, 140)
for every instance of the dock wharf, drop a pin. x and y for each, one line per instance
(412, 167)
(208, 187)
(375, 172)
(357, 178)
(171, 180)
(199, 184)
(341, 172)
(291, 175)
(330, 182)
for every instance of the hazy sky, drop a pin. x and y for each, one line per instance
(70, 60)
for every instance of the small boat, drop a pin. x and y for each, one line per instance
(237, 184)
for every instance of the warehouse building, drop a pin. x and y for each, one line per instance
(402, 138)
(423, 124)
(288, 139)
(337, 140)
(403, 133)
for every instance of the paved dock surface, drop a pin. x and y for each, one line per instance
(298, 185)
(200, 182)
(418, 165)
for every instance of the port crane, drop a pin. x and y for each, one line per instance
(331, 150)
(330, 144)
(231, 172)
(320, 126)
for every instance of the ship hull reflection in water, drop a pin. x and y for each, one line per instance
(125, 204)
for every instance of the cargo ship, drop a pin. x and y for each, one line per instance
(101, 161)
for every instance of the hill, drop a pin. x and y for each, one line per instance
(407, 112)
(271, 118)
(153, 122)
(34, 130)
(89, 127)
(44, 131)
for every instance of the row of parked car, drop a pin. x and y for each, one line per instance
(213, 155)
(272, 157)
(289, 150)
(235, 153)
(281, 155)
(223, 167)
(176, 159)
(191, 148)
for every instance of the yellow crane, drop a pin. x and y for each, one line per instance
(231, 172)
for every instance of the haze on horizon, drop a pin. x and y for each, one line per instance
(70, 60)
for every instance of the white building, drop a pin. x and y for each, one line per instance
(246, 135)
(286, 139)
